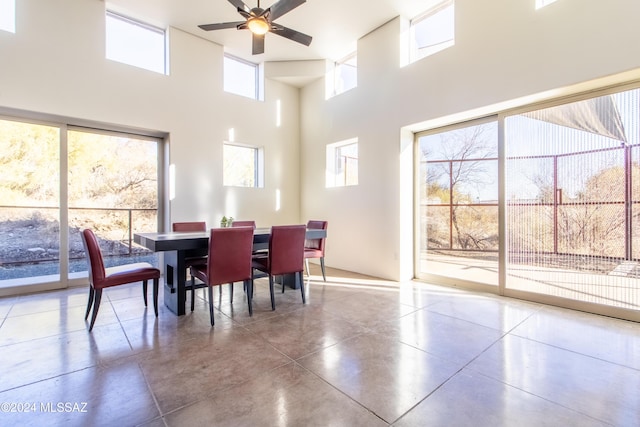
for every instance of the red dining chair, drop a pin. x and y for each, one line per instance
(314, 248)
(101, 277)
(186, 227)
(229, 261)
(192, 227)
(285, 256)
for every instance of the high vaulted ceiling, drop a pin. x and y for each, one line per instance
(335, 25)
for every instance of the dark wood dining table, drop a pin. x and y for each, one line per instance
(177, 246)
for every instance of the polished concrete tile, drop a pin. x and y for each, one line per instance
(471, 399)
(304, 331)
(452, 339)
(361, 352)
(43, 324)
(118, 396)
(287, 396)
(487, 310)
(613, 340)
(602, 390)
(386, 376)
(197, 368)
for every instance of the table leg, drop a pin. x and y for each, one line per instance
(174, 282)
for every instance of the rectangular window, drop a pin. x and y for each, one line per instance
(135, 43)
(243, 166)
(241, 77)
(344, 76)
(342, 163)
(432, 31)
(8, 15)
(542, 3)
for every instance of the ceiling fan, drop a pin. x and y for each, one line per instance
(260, 21)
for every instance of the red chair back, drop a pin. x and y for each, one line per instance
(189, 226)
(244, 224)
(317, 244)
(286, 249)
(230, 251)
(96, 264)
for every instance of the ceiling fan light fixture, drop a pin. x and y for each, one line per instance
(258, 25)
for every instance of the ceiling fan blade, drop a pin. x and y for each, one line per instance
(283, 6)
(257, 44)
(240, 5)
(221, 26)
(290, 34)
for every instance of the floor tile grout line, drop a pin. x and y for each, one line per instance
(341, 392)
(555, 403)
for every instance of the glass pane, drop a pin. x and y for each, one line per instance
(459, 203)
(135, 43)
(346, 75)
(239, 166)
(433, 33)
(240, 77)
(113, 189)
(347, 165)
(572, 182)
(29, 202)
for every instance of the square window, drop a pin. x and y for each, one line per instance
(432, 31)
(241, 77)
(135, 43)
(8, 15)
(243, 166)
(342, 163)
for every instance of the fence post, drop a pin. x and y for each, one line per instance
(130, 233)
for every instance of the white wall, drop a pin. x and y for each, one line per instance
(55, 64)
(505, 52)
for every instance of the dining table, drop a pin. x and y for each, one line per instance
(178, 246)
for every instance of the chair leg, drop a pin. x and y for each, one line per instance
(90, 302)
(193, 292)
(211, 304)
(248, 284)
(300, 282)
(282, 283)
(231, 296)
(96, 306)
(273, 301)
(144, 291)
(306, 263)
(322, 266)
(155, 295)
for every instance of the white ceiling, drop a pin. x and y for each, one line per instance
(335, 25)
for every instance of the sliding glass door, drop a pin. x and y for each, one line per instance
(564, 227)
(56, 180)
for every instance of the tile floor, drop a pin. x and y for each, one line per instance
(361, 352)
